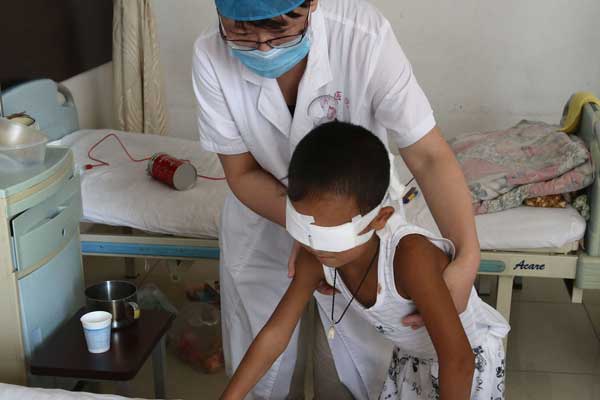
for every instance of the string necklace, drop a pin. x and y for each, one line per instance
(331, 331)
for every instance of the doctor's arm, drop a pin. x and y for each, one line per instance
(440, 177)
(264, 195)
(275, 335)
(251, 184)
(255, 187)
(401, 106)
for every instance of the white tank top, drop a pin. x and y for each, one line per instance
(479, 319)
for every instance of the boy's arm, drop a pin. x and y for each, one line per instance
(418, 268)
(275, 335)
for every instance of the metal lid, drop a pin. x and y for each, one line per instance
(185, 177)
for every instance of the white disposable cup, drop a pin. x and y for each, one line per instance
(96, 327)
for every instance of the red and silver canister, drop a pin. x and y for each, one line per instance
(179, 174)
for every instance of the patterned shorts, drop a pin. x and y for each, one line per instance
(413, 378)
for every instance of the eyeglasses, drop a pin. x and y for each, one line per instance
(281, 42)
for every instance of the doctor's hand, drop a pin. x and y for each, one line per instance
(292, 260)
(459, 279)
(323, 288)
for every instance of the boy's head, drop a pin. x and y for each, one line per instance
(337, 172)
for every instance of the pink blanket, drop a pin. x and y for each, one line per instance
(503, 168)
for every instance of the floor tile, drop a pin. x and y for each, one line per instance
(593, 311)
(548, 386)
(591, 296)
(487, 288)
(183, 382)
(554, 352)
(543, 290)
(552, 338)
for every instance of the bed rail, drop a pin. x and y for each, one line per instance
(49, 103)
(589, 131)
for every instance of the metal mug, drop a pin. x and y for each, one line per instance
(116, 297)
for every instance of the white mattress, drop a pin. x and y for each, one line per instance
(13, 392)
(517, 228)
(123, 194)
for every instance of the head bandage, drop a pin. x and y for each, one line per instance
(336, 238)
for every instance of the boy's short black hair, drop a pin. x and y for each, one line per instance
(343, 159)
(275, 23)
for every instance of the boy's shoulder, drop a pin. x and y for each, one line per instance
(417, 256)
(412, 240)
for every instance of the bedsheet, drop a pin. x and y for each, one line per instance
(515, 229)
(123, 194)
(14, 392)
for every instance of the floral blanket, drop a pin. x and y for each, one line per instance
(503, 168)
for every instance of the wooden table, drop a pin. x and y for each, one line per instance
(65, 354)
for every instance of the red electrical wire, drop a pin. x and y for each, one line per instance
(210, 178)
(104, 163)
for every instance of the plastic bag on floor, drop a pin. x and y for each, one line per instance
(151, 298)
(208, 292)
(196, 337)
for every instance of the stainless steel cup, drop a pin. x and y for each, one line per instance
(116, 297)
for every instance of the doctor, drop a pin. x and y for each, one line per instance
(264, 77)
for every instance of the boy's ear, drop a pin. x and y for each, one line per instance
(382, 218)
(313, 5)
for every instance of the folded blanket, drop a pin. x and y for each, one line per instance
(504, 168)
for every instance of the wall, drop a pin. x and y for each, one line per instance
(488, 64)
(483, 64)
(92, 91)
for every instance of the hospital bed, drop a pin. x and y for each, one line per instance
(522, 242)
(14, 392)
(155, 221)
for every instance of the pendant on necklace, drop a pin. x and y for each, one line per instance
(331, 332)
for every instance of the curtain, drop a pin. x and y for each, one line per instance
(139, 98)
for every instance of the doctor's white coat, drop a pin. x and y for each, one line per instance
(357, 73)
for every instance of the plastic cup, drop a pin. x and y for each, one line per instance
(96, 327)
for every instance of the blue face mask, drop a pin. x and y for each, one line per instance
(275, 62)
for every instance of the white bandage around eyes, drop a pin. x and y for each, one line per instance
(334, 239)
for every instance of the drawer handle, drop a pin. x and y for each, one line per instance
(54, 214)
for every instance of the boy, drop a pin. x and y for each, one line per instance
(356, 237)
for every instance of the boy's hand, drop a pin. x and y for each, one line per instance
(459, 284)
(323, 288)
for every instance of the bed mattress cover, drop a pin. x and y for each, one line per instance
(14, 392)
(123, 194)
(515, 229)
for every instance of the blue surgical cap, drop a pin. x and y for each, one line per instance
(253, 10)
